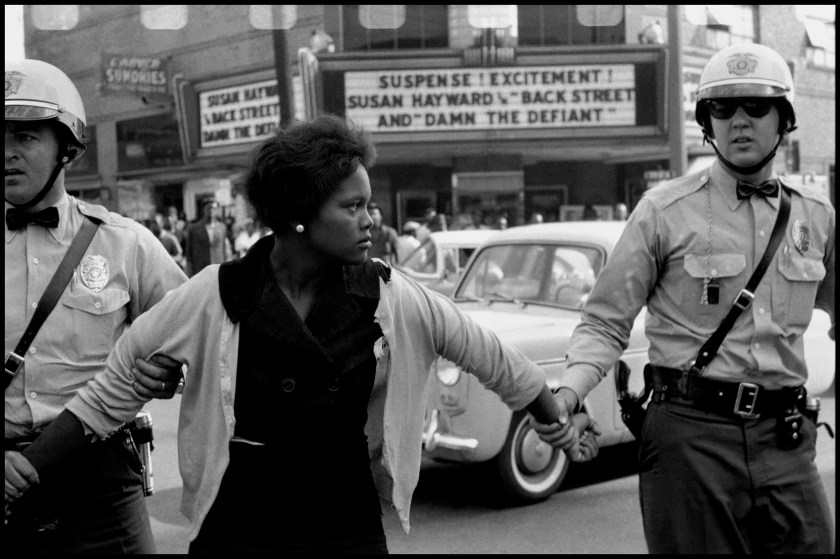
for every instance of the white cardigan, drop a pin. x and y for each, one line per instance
(191, 326)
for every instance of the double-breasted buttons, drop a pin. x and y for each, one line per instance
(288, 384)
(333, 386)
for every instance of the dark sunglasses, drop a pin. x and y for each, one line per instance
(755, 107)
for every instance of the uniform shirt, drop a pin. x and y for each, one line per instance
(191, 326)
(661, 260)
(72, 344)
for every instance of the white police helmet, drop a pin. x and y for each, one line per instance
(36, 90)
(746, 70)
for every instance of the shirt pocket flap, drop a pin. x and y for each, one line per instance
(104, 302)
(800, 268)
(714, 266)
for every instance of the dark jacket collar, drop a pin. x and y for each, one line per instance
(243, 281)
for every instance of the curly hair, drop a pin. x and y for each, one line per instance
(296, 170)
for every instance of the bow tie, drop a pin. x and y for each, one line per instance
(767, 189)
(18, 219)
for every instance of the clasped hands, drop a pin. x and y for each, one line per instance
(575, 433)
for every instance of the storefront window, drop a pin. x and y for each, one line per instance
(148, 143)
(722, 25)
(87, 164)
(546, 25)
(384, 27)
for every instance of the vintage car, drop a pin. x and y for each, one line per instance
(439, 260)
(527, 284)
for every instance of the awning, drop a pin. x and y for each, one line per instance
(817, 33)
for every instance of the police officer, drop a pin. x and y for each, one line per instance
(719, 473)
(96, 502)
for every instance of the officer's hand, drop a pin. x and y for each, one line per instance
(20, 476)
(589, 430)
(560, 434)
(159, 377)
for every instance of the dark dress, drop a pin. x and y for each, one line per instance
(302, 389)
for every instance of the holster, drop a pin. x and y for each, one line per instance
(632, 406)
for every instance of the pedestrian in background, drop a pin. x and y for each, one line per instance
(92, 501)
(337, 420)
(620, 212)
(407, 242)
(247, 236)
(727, 449)
(383, 238)
(207, 239)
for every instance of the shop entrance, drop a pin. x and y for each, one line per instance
(488, 196)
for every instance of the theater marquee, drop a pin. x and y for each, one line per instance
(536, 97)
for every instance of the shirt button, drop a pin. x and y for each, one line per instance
(34, 305)
(32, 350)
(288, 384)
(761, 233)
(35, 260)
(333, 386)
(761, 311)
(757, 346)
(33, 395)
(714, 272)
(97, 304)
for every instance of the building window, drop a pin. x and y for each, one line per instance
(265, 16)
(87, 164)
(719, 25)
(820, 49)
(172, 16)
(546, 25)
(55, 18)
(386, 27)
(148, 143)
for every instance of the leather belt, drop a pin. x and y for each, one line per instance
(744, 399)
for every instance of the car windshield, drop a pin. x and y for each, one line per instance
(558, 275)
(423, 259)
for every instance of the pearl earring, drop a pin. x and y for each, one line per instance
(299, 228)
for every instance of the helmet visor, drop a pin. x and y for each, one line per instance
(31, 112)
(740, 90)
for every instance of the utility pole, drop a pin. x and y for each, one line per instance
(676, 114)
(284, 82)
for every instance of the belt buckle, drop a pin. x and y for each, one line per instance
(751, 391)
(13, 363)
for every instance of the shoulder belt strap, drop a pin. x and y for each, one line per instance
(746, 296)
(51, 295)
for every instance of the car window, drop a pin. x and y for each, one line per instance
(551, 274)
(423, 259)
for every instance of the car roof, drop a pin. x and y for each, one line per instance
(605, 233)
(468, 237)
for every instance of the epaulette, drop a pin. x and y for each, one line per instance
(668, 192)
(806, 192)
(94, 210)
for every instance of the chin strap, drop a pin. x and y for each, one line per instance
(753, 168)
(50, 182)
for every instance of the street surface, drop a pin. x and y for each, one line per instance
(455, 510)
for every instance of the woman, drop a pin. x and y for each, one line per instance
(308, 366)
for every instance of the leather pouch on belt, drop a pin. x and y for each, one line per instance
(788, 431)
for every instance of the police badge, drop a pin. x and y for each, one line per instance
(741, 64)
(95, 272)
(13, 80)
(801, 236)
